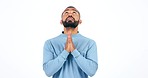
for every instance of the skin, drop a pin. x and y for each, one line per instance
(69, 46)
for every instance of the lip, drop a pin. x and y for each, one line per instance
(70, 19)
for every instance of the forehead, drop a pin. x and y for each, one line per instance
(71, 9)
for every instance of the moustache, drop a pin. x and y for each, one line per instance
(70, 18)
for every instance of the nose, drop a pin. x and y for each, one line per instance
(70, 14)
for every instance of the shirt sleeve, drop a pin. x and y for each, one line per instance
(51, 64)
(88, 64)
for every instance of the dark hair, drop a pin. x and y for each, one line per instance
(70, 7)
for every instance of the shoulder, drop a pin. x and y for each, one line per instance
(88, 40)
(54, 39)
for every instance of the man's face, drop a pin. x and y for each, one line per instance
(70, 17)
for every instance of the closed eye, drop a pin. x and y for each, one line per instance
(66, 12)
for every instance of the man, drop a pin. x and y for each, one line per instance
(70, 55)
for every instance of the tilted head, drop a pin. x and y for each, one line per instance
(70, 17)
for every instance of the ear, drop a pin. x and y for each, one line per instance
(61, 22)
(80, 21)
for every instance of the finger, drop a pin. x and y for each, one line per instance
(72, 44)
(69, 32)
(69, 38)
(72, 47)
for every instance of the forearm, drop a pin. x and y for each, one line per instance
(52, 66)
(89, 66)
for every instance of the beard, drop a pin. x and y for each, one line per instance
(70, 23)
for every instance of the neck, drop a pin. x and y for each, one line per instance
(70, 30)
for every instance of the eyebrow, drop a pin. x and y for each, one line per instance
(72, 9)
(67, 9)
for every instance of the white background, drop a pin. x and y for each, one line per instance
(119, 27)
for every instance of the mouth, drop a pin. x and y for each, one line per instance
(70, 19)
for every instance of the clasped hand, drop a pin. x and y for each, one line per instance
(69, 43)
